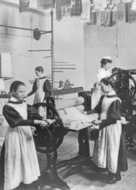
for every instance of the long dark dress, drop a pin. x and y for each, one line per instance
(109, 149)
(42, 89)
(18, 160)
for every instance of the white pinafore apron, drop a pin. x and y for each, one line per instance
(21, 162)
(39, 96)
(106, 148)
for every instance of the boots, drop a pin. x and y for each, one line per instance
(83, 142)
(113, 178)
(118, 176)
(52, 174)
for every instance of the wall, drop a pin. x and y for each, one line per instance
(69, 47)
(68, 35)
(18, 42)
(117, 41)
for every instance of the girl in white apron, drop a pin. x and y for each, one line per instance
(19, 157)
(41, 86)
(103, 72)
(41, 89)
(109, 145)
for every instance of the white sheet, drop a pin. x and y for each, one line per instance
(76, 120)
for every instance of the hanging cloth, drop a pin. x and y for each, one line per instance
(24, 5)
(66, 2)
(133, 6)
(66, 8)
(93, 16)
(46, 4)
(59, 14)
(109, 17)
(114, 15)
(121, 12)
(130, 13)
(86, 6)
(76, 7)
(100, 4)
(104, 17)
(98, 18)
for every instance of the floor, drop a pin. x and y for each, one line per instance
(85, 178)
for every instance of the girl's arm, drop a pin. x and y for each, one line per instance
(97, 109)
(47, 88)
(33, 113)
(34, 88)
(14, 119)
(113, 114)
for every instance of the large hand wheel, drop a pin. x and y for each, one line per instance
(50, 138)
(125, 84)
(126, 89)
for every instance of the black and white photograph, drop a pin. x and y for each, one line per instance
(67, 94)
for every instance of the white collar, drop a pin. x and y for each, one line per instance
(15, 100)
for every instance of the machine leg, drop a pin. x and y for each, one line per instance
(83, 141)
(52, 174)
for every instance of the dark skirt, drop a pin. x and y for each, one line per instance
(2, 155)
(122, 160)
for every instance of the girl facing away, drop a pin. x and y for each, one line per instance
(18, 160)
(105, 69)
(104, 72)
(109, 149)
(41, 89)
(41, 86)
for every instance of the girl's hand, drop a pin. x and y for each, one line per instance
(94, 127)
(124, 121)
(42, 123)
(97, 122)
(50, 121)
(33, 130)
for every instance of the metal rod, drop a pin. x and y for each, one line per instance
(64, 68)
(52, 50)
(27, 29)
(58, 72)
(46, 57)
(61, 62)
(38, 50)
(65, 65)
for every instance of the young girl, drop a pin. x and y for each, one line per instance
(41, 89)
(109, 148)
(41, 86)
(105, 70)
(19, 163)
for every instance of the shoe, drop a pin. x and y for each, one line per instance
(52, 173)
(112, 180)
(118, 176)
(56, 181)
